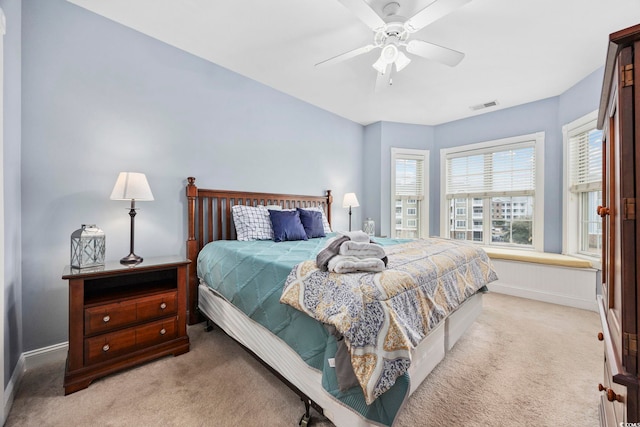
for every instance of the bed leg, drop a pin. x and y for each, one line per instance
(208, 327)
(306, 418)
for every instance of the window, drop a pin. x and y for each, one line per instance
(583, 187)
(495, 189)
(409, 192)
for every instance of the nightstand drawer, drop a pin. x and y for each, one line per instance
(156, 332)
(114, 344)
(108, 317)
(108, 346)
(158, 306)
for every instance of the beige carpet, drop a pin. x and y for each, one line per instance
(523, 363)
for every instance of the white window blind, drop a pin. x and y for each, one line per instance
(585, 152)
(410, 176)
(507, 171)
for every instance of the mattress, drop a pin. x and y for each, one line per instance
(277, 354)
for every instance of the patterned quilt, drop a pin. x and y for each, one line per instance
(383, 316)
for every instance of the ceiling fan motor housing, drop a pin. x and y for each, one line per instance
(392, 30)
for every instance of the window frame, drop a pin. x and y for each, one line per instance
(571, 201)
(538, 140)
(423, 218)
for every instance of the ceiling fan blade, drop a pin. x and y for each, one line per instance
(432, 13)
(383, 80)
(434, 52)
(364, 12)
(346, 55)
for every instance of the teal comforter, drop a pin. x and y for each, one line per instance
(251, 275)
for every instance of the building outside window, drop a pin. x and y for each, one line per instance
(493, 192)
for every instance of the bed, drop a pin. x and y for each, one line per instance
(299, 350)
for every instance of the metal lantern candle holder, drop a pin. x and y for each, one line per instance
(87, 247)
(369, 226)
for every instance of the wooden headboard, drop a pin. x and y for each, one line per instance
(209, 218)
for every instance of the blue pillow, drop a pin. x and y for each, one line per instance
(312, 223)
(287, 226)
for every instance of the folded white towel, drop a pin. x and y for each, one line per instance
(356, 236)
(362, 250)
(349, 264)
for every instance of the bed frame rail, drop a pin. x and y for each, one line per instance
(209, 219)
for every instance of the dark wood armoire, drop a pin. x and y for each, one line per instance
(619, 118)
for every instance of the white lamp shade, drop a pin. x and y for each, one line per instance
(350, 201)
(131, 186)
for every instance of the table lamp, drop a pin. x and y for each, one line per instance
(132, 186)
(350, 201)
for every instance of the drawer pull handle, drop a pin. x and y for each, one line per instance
(163, 306)
(611, 395)
(106, 318)
(105, 348)
(600, 336)
(163, 331)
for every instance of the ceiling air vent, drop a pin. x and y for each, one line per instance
(485, 105)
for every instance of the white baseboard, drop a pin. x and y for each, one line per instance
(44, 355)
(12, 386)
(573, 287)
(30, 360)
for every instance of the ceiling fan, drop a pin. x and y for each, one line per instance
(393, 32)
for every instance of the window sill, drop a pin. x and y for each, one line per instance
(596, 262)
(538, 257)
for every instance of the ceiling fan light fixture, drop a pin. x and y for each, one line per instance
(380, 65)
(402, 61)
(389, 53)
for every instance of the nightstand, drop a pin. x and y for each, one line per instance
(121, 316)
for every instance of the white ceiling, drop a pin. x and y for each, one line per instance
(516, 51)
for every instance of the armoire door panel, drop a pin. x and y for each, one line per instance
(625, 216)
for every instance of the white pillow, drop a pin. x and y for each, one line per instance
(325, 221)
(252, 223)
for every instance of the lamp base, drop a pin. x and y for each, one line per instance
(131, 259)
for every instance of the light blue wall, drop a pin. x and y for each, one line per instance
(401, 136)
(380, 137)
(582, 98)
(539, 116)
(11, 176)
(99, 98)
(372, 178)
(547, 115)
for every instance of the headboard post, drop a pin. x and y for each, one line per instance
(192, 252)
